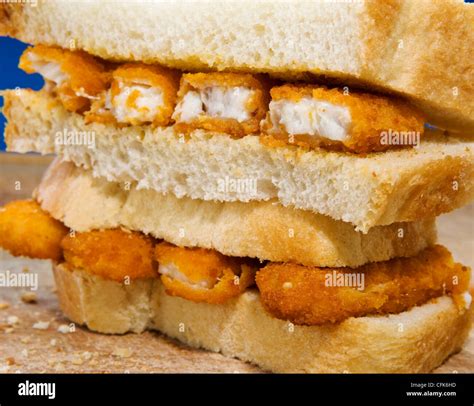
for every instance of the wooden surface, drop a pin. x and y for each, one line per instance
(28, 349)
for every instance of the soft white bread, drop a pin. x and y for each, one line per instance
(377, 189)
(418, 48)
(414, 341)
(264, 230)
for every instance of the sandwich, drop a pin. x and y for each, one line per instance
(251, 180)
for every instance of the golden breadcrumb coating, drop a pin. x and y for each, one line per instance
(128, 102)
(202, 275)
(85, 77)
(307, 295)
(71, 101)
(112, 254)
(371, 116)
(256, 105)
(27, 230)
(101, 110)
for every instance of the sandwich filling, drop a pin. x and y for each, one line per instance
(139, 95)
(311, 117)
(227, 102)
(300, 294)
(214, 102)
(202, 275)
(310, 295)
(235, 104)
(314, 116)
(75, 77)
(137, 103)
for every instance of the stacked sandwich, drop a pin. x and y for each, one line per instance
(258, 180)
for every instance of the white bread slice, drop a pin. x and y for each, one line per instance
(264, 230)
(418, 48)
(417, 340)
(378, 189)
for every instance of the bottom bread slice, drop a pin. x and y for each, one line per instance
(417, 340)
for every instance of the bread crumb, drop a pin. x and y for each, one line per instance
(77, 361)
(24, 353)
(25, 340)
(10, 361)
(122, 352)
(86, 355)
(64, 329)
(287, 285)
(29, 297)
(93, 363)
(12, 320)
(4, 305)
(41, 325)
(53, 342)
(9, 330)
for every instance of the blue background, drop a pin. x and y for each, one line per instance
(11, 76)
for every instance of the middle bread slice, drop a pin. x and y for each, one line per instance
(264, 230)
(366, 190)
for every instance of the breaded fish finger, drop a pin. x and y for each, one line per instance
(140, 94)
(75, 76)
(202, 275)
(314, 296)
(314, 116)
(112, 254)
(232, 103)
(27, 230)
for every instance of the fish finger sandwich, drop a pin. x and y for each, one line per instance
(261, 179)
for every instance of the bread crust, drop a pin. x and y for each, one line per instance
(392, 186)
(418, 49)
(414, 341)
(104, 305)
(264, 230)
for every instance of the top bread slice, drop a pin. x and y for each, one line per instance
(376, 189)
(420, 49)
